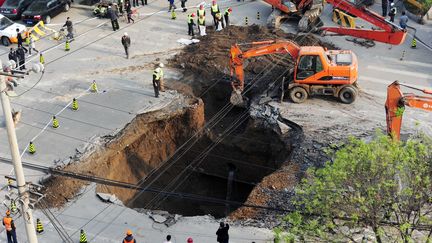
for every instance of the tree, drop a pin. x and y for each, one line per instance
(379, 189)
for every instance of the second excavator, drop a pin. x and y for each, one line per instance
(317, 71)
(396, 103)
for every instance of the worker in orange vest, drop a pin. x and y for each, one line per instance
(129, 238)
(10, 228)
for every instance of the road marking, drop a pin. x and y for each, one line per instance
(414, 63)
(396, 71)
(376, 80)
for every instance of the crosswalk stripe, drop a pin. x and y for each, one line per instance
(376, 80)
(396, 71)
(404, 62)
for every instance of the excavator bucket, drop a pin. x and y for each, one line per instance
(237, 99)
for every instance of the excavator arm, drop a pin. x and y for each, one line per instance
(388, 32)
(396, 102)
(259, 49)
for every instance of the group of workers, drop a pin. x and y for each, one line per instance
(403, 19)
(221, 233)
(218, 19)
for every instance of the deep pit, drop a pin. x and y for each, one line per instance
(213, 165)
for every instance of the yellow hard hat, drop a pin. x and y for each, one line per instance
(129, 232)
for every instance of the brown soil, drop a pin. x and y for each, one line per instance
(280, 180)
(210, 58)
(185, 117)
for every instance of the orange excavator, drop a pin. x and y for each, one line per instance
(396, 102)
(317, 71)
(388, 32)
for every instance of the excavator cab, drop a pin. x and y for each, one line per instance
(320, 72)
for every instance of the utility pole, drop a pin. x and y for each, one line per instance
(17, 164)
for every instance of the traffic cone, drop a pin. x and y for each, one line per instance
(173, 14)
(246, 21)
(55, 122)
(9, 184)
(83, 237)
(13, 207)
(258, 15)
(67, 46)
(414, 43)
(31, 148)
(74, 104)
(39, 227)
(94, 87)
(41, 58)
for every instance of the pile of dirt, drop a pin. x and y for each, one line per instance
(209, 59)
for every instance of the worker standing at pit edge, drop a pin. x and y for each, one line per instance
(201, 11)
(191, 24)
(129, 238)
(226, 16)
(158, 79)
(10, 228)
(214, 10)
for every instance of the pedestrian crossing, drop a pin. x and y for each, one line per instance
(375, 78)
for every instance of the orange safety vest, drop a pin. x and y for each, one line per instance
(7, 221)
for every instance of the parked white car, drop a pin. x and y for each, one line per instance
(8, 32)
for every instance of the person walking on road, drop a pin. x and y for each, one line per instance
(120, 6)
(191, 24)
(168, 239)
(126, 43)
(222, 233)
(129, 238)
(69, 28)
(183, 5)
(171, 5)
(129, 12)
(21, 57)
(226, 16)
(32, 45)
(144, 2)
(135, 3)
(20, 40)
(214, 9)
(158, 79)
(384, 5)
(392, 12)
(13, 56)
(403, 20)
(10, 228)
(114, 17)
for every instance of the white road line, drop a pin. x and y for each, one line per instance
(376, 80)
(374, 92)
(414, 63)
(396, 71)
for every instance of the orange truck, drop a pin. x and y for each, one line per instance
(317, 71)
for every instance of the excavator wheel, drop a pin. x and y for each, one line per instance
(348, 94)
(298, 94)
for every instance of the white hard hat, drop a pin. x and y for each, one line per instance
(161, 65)
(125, 33)
(392, 4)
